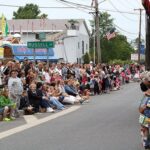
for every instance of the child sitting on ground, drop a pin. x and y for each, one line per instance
(6, 106)
(24, 104)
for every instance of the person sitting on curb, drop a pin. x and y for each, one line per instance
(70, 90)
(37, 100)
(6, 106)
(25, 105)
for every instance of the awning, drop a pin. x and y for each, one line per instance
(51, 58)
(22, 50)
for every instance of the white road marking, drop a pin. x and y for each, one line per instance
(31, 122)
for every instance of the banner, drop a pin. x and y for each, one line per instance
(1, 53)
(142, 49)
(3, 23)
(4, 26)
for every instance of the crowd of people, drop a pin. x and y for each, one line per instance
(144, 110)
(40, 87)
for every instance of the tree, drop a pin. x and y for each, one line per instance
(30, 11)
(135, 43)
(73, 23)
(116, 48)
(86, 58)
(106, 23)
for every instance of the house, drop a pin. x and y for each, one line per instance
(71, 37)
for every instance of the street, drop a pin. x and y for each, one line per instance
(107, 122)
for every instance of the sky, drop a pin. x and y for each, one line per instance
(127, 24)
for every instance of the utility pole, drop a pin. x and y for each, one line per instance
(139, 42)
(98, 48)
(147, 52)
(146, 5)
(94, 34)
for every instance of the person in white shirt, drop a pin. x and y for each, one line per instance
(15, 88)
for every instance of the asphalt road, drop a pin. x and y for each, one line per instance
(108, 122)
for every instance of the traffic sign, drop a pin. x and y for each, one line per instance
(142, 49)
(38, 44)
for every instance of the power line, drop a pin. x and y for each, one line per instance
(139, 3)
(125, 30)
(125, 3)
(119, 11)
(71, 7)
(46, 7)
(124, 12)
(78, 8)
(101, 1)
(77, 4)
(130, 2)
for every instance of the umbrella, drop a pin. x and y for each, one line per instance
(16, 35)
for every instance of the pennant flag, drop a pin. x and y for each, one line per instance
(111, 34)
(32, 27)
(4, 26)
(6, 29)
(20, 29)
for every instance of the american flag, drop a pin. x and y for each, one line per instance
(111, 34)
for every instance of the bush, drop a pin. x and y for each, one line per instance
(120, 62)
(86, 58)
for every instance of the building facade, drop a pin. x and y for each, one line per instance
(71, 37)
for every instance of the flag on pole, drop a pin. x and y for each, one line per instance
(111, 34)
(6, 29)
(4, 26)
(3, 22)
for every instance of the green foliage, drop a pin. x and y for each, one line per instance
(5, 102)
(106, 23)
(120, 62)
(86, 58)
(30, 11)
(72, 21)
(116, 48)
(135, 43)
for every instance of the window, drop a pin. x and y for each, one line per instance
(78, 45)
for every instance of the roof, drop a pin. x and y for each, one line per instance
(39, 25)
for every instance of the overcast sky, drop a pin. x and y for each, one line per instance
(128, 24)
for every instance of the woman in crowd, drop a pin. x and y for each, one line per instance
(71, 90)
(55, 97)
(37, 99)
(68, 99)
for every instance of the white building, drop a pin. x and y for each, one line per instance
(71, 39)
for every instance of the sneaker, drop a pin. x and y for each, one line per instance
(6, 119)
(12, 118)
(81, 101)
(51, 110)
